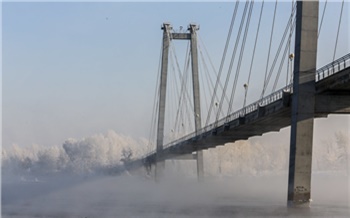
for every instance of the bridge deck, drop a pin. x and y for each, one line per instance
(266, 115)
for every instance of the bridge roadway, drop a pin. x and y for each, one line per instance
(269, 114)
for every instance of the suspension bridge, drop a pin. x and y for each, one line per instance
(304, 93)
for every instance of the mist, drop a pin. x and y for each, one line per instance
(242, 179)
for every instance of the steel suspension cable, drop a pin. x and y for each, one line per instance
(209, 80)
(201, 69)
(178, 66)
(323, 13)
(179, 115)
(336, 41)
(222, 61)
(240, 58)
(183, 91)
(251, 63)
(232, 60)
(290, 20)
(212, 66)
(183, 109)
(181, 96)
(205, 70)
(171, 94)
(180, 74)
(268, 54)
(173, 57)
(183, 102)
(284, 57)
(188, 103)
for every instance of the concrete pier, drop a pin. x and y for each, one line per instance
(303, 104)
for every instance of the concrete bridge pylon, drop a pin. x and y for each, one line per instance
(303, 104)
(167, 36)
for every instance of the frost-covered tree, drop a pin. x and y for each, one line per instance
(86, 155)
(333, 153)
(126, 155)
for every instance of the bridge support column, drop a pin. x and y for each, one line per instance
(196, 96)
(303, 104)
(160, 164)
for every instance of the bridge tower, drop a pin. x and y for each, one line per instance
(303, 104)
(160, 164)
(167, 36)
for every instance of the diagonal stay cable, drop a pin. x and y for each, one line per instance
(323, 13)
(179, 113)
(290, 20)
(206, 70)
(268, 54)
(251, 63)
(240, 58)
(336, 41)
(232, 60)
(183, 92)
(222, 61)
(284, 57)
(212, 66)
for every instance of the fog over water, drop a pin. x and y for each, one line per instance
(134, 196)
(244, 179)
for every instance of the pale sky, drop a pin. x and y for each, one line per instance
(77, 69)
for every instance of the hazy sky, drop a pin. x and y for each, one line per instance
(76, 69)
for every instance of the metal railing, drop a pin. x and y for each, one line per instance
(240, 113)
(322, 73)
(332, 68)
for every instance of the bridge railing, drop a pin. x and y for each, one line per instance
(321, 74)
(275, 96)
(240, 113)
(333, 67)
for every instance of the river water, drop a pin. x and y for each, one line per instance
(133, 196)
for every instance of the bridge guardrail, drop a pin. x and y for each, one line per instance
(333, 67)
(321, 74)
(248, 109)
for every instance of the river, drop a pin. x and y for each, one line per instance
(135, 196)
